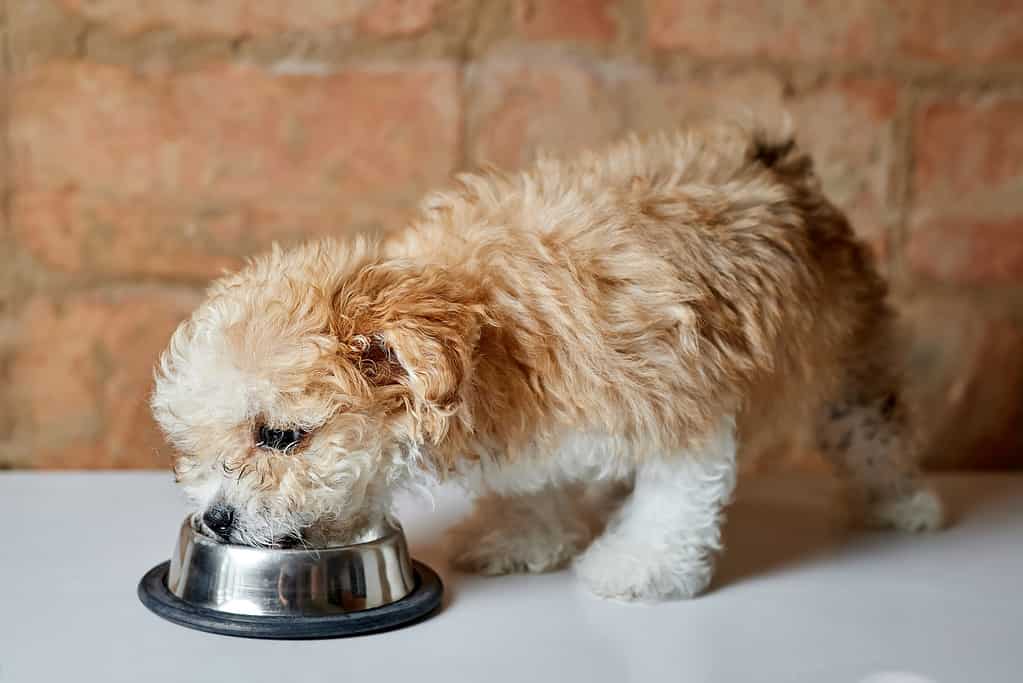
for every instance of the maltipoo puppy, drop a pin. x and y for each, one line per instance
(588, 343)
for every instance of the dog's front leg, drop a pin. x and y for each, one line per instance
(661, 543)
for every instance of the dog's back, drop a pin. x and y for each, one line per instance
(648, 289)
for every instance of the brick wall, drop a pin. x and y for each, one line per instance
(149, 145)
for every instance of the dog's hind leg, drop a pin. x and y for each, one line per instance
(866, 432)
(530, 532)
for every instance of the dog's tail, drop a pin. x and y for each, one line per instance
(773, 144)
(772, 152)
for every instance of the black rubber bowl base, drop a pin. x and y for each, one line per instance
(421, 602)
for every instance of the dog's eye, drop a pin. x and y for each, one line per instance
(279, 439)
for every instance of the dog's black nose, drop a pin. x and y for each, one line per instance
(219, 518)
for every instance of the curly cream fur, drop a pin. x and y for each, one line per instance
(630, 316)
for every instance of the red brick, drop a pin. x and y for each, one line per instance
(77, 233)
(83, 371)
(969, 148)
(761, 28)
(579, 20)
(941, 31)
(237, 132)
(967, 251)
(237, 18)
(955, 32)
(848, 127)
(399, 17)
(966, 372)
(37, 31)
(97, 234)
(221, 18)
(966, 223)
(520, 107)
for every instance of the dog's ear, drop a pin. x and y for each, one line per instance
(376, 360)
(413, 329)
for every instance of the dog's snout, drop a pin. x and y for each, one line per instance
(219, 518)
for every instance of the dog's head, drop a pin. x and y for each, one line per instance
(308, 386)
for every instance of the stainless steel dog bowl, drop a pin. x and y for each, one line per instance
(291, 593)
(243, 580)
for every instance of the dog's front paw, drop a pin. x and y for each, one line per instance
(480, 548)
(624, 570)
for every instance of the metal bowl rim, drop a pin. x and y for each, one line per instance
(424, 600)
(391, 527)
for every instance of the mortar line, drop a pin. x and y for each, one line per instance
(6, 98)
(464, 61)
(902, 187)
(8, 425)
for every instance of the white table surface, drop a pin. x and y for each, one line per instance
(797, 598)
